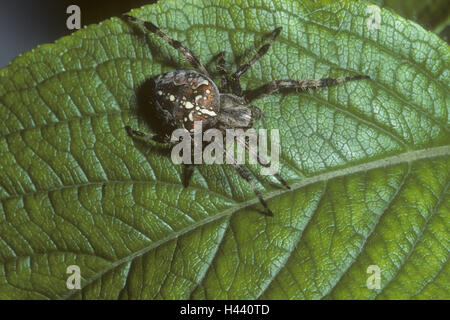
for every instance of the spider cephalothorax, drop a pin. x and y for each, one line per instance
(185, 97)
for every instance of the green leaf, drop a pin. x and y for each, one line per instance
(429, 13)
(368, 162)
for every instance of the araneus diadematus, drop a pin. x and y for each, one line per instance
(182, 97)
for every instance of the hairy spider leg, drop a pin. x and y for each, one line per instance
(145, 137)
(190, 57)
(235, 82)
(188, 172)
(223, 73)
(247, 176)
(148, 136)
(262, 161)
(276, 86)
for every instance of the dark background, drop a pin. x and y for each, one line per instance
(24, 24)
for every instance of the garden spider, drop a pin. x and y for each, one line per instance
(182, 97)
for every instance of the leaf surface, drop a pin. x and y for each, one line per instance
(368, 162)
(432, 14)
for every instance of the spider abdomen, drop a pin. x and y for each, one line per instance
(185, 96)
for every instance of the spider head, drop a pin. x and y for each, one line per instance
(235, 113)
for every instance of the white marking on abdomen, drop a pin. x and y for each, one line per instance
(208, 112)
(188, 105)
(204, 82)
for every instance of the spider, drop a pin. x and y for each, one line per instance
(182, 97)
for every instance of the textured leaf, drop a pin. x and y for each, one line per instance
(368, 163)
(429, 13)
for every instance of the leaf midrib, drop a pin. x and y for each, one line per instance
(405, 157)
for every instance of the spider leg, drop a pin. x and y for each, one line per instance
(187, 174)
(302, 85)
(262, 161)
(146, 137)
(246, 175)
(223, 73)
(235, 83)
(190, 57)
